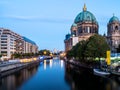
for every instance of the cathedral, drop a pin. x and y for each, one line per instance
(85, 25)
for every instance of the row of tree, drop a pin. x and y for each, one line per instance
(27, 55)
(24, 55)
(95, 47)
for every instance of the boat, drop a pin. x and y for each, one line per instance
(100, 72)
(115, 68)
(115, 73)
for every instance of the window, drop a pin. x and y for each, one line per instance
(3, 51)
(116, 27)
(3, 47)
(3, 38)
(3, 41)
(3, 35)
(88, 29)
(3, 44)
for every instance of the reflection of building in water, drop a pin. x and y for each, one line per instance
(13, 81)
(44, 64)
(61, 63)
(78, 80)
(51, 61)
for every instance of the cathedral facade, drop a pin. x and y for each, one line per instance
(85, 25)
(113, 33)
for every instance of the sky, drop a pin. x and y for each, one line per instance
(46, 22)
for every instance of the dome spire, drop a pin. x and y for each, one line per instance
(84, 8)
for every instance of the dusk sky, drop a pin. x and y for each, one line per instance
(48, 21)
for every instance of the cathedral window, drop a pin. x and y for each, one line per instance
(116, 42)
(116, 27)
(88, 29)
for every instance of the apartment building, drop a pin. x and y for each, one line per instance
(11, 42)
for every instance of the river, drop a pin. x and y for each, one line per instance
(56, 75)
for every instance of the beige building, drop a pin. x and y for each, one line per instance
(84, 26)
(11, 42)
(30, 46)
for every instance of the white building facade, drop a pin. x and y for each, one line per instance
(11, 42)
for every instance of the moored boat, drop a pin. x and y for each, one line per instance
(101, 72)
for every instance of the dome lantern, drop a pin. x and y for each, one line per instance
(84, 8)
(85, 16)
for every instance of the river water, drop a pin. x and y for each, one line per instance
(56, 75)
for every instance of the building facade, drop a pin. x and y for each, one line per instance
(85, 25)
(113, 33)
(29, 46)
(11, 42)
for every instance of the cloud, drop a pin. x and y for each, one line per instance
(38, 19)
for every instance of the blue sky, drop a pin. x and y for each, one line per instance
(48, 21)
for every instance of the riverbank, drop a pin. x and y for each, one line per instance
(80, 65)
(10, 68)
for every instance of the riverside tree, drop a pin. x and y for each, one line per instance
(95, 47)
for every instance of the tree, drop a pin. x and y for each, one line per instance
(44, 52)
(69, 54)
(96, 47)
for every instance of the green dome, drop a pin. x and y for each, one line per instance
(85, 16)
(113, 19)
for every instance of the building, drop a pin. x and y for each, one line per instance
(113, 33)
(29, 46)
(11, 42)
(84, 26)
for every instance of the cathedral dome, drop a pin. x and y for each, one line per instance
(113, 19)
(67, 36)
(85, 16)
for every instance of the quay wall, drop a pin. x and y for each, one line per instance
(12, 68)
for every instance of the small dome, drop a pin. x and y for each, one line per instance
(85, 16)
(74, 25)
(67, 36)
(113, 19)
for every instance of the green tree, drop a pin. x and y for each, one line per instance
(96, 47)
(44, 52)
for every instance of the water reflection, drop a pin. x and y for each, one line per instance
(44, 64)
(50, 76)
(56, 75)
(11, 82)
(51, 61)
(61, 63)
(83, 80)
